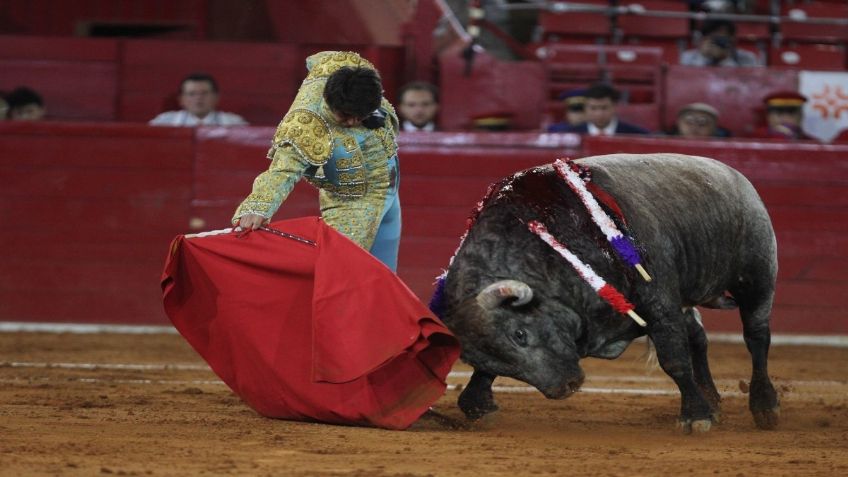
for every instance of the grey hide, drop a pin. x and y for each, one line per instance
(702, 232)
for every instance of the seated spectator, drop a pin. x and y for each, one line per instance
(698, 120)
(601, 118)
(784, 115)
(198, 98)
(25, 105)
(418, 104)
(717, 47)
(575, 110)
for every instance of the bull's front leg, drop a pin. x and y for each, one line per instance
(476, 400)
(673, 352)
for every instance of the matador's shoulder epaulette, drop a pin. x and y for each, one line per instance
(322, 65)
(308, 133)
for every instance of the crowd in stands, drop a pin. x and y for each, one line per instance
(592, 109)
(589, 111)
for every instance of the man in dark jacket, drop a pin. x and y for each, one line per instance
(601, 118)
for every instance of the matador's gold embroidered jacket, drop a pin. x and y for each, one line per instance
(350, 166)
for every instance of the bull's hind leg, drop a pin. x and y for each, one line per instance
(670, 334)
(755, 310)
(700, 364)
(476, 400)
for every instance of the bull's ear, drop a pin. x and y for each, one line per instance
(493, 295)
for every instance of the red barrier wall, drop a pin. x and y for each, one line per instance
(90, 209)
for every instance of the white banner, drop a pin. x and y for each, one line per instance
(826, 109)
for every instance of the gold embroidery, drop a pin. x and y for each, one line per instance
(308, 133)
(350, 143)
(328, 62)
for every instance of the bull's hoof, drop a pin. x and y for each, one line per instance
(767, 419)
(696, 426)
(716, 417)
(445, 421)
(476, 402)
(476, 412)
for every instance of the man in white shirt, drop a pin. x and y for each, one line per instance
(718, 47)
(418, 105)
(198, 98)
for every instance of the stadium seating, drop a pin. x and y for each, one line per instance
(636, 70)
(639, 26)
(133, 80)
(576, 27)
(669, 33)
(809, 56)
(794, 28)
(151, 71)
(77, 77)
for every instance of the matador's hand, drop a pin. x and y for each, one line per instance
(251, 221)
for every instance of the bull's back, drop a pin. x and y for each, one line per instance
(692, 213)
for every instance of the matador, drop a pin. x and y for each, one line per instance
(340, 134)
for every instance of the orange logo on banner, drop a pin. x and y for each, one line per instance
(831, 102)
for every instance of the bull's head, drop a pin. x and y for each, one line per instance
(508, 330)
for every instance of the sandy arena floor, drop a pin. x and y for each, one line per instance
(152, 407)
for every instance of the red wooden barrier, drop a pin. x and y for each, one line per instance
(91, 208)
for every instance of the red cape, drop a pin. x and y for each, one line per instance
(320, 332)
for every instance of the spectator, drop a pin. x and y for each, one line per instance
(717, 47)
(784, 115)
(418, 105)
(575, 110)
(198, 98)
(4, 106)
(601, 118)
(698, 120)
(25, 105)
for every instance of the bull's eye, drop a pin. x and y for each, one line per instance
(520, 337)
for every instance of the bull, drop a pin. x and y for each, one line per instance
(702, 233)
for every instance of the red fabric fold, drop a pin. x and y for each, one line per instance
(324, 333)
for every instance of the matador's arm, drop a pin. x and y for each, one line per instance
(272, 187)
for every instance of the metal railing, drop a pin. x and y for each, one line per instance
(637, 9)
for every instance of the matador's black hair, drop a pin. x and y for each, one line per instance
(354, 91)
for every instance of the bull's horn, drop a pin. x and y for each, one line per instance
(494, 294)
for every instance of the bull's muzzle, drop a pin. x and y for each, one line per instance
(565, 389)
